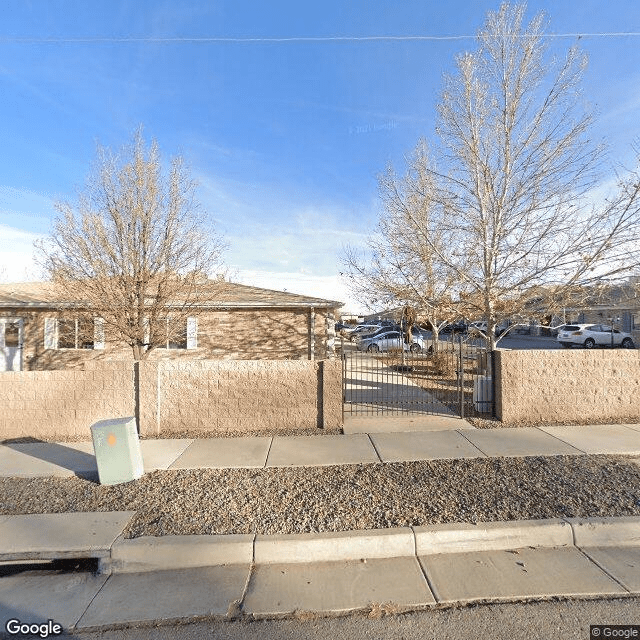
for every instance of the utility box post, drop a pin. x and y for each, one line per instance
(117, 448)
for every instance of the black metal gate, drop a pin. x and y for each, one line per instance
(452, 377)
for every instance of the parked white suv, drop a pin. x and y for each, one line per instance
(482, 325)
(478, 325)
(592, 335)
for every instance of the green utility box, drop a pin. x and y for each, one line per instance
(117, 448)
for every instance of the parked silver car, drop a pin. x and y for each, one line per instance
(362, 329)
(590, 336)
(390, 340)
(375, 332)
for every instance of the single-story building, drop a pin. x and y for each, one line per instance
(394, 315)
(38, 329)
(617, 305)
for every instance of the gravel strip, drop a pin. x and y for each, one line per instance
(186, 434)
(494, 423)
(340, 498)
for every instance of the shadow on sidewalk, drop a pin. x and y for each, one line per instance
(82, 464)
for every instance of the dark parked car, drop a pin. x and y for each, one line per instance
(456, 327)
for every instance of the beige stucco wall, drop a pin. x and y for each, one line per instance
(173, 396)
(573, 385)
(332, 394)
(51, 404)
(223, 395)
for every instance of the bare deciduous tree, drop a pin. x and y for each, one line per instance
(515, 169)
(403, 262)
(135, 249)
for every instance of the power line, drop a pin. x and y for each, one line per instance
(276, 40)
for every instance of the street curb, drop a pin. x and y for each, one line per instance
(56, 536)
(334, 546)
(492, 536)
(250, 553)
(149, 553)
(605, 532)
(176, 552)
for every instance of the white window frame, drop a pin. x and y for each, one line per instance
(192, 332)
(192, 335)
(98, 334)
(51, 334)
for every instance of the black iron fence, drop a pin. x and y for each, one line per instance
(452, 376)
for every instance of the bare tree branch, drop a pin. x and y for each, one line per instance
(404, 265)
(135, 248)
(516, 235)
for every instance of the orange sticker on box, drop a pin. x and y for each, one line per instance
(111, 439)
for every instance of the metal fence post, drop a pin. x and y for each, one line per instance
(493, 383)
(344, 383)
(461, 376)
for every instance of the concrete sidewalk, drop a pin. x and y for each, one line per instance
(151, 580)
(43, 459)
(410, 421)
(178, 578)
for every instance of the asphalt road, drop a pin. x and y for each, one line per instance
(565, 620)
(528, 342)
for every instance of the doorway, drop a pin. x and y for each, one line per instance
(11, 339)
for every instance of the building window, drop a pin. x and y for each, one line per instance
(184, 337)
(73, 333)
(635, 322)
(11, 334)
(67, 334)
(178, 339)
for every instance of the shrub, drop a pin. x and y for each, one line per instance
(445, 364)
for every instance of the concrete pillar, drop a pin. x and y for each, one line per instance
(331, 416)
(331, 335)
(147, 377)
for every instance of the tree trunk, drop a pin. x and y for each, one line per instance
(435, 334)
(140, 352)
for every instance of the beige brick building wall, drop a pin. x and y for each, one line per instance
(237, 334)
(173, 396)
(557, 386)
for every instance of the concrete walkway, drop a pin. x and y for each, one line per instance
(150, 580)
(404, 422)
(42, 459)
(371, 388)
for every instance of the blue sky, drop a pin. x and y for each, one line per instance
(285, 137)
